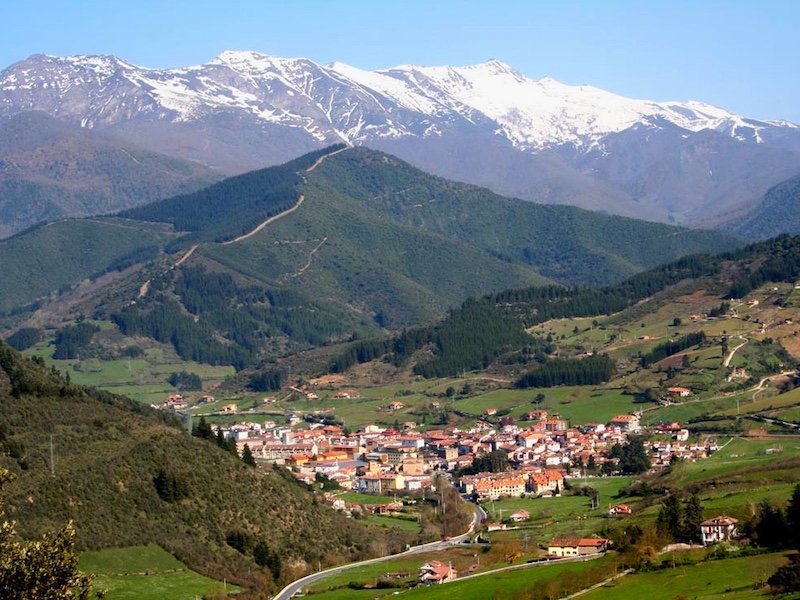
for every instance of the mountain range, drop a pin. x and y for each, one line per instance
(340, 242)
(680, 162)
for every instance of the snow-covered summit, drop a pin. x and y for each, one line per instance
(340, 101)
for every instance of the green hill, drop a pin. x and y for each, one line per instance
(97, 459)
(778, 210)
(493, 328)
(58, 255)
(339, 243)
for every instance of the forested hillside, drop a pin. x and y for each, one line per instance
(128, 475)
(243, 270)
(493, 327)
(52, 170)
(567, 244)
(778, 211)
(57, 256)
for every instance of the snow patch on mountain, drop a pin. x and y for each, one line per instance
(343, 102)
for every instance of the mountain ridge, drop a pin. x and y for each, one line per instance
(434, 91)
(376, 244)
(486, 124)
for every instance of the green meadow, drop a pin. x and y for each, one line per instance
(147, 573)
(732, 579)
(567, 515)
(505, 584)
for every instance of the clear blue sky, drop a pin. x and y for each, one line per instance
(743, 55)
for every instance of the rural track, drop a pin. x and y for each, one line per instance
(274, 218)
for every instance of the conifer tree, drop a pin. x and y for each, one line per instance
(247, 456)
(670, 517)
(793, 518)
(692, 518)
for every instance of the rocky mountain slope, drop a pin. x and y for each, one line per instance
(51, 170)
(488, 124)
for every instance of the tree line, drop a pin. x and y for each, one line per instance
(591, 370)
(671, 347)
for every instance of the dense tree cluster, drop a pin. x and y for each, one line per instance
(470, 338)
(591, 370)
(73, 340)
(632, 457)
(24, 338)
(267, 380)
(495, 461)
(208, 317)
(782, 263)
(773, 526)
(671, 347)
(681, 519)
(186, 381)
(170, 487)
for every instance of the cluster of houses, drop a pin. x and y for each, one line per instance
(542, 452)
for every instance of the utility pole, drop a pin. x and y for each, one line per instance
(52, 458)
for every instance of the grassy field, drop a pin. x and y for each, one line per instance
(565, 516)
(405, 524)
(143, 379)
(147, 573)
(733, 579)
(739, 453)
(365, 498)
(500, 585)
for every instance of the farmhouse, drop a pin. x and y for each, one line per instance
(719, 529)
(679, 391)
(519, 516)
(435, 571)
(562, 547)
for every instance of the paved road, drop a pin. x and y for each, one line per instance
(293, 588)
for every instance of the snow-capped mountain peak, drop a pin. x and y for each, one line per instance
(340, 101)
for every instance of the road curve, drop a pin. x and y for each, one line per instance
(294, 587)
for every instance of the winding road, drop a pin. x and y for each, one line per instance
(296, 586)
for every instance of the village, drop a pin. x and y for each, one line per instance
(542, 452)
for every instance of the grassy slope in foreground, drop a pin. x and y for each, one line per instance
(147, 573)
(108, 450)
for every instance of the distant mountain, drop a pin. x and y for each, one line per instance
(50, 169)
(687, 163)
(337, 243)
(779, 211)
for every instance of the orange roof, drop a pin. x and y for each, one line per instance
(578, 542)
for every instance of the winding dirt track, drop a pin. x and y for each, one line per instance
(261, 226)
(265, 223)
(185, 256)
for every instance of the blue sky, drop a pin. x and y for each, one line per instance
(737, 54)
